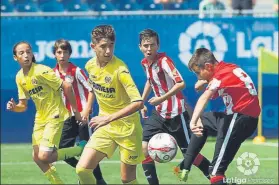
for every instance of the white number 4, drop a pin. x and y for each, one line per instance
(246, 79)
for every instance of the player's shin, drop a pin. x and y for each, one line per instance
(149, 169)
(66, 153)
(52, 176)
(85, 175)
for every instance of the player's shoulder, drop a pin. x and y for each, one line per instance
(163, 57)
(90, 63)
(40, 68)
(19, 75)
(119, 64)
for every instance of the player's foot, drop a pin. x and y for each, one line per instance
(181, 174)
(82, 144)
(101, 182)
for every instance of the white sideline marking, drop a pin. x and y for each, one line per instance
(111, 161)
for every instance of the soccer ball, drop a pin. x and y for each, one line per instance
(162, 147)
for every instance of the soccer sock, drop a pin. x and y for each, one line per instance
(203, 164)
(97, 173)
(149, 169)
(85, 176)
(72, 162)
(52, 176)
(195, 146)
(132, 182)
(218, 179)
(66, 153)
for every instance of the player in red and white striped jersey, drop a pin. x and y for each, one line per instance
(171, 115)
(84, 97)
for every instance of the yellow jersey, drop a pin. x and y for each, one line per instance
(113, 85)
(42, 85)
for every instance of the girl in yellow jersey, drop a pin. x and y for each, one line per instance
(41, 84)
(118, 123)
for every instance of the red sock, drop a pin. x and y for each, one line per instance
(217, 179)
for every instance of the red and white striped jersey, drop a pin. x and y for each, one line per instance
(81, 87)
(162, 76)
(236, 88)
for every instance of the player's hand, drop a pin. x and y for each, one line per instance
(79, 119)
(143, 112)
(84, 115)
(99, 121)
(199, 85)
(11, 104)
(155, 101)
(197, 128)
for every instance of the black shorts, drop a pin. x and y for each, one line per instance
(71, 131)
(156, 124)
(231, 131)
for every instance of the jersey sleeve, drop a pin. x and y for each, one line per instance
(169, 68)
(128, 83)
(214, 85)
(22, 94)
(48, 76)
(83, 79)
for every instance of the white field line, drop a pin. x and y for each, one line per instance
(111, 162)
(10, 147)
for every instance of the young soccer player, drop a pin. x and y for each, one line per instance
(118, 123)
(68, 72)
(40, 83)
(233, 126)
(171, 114)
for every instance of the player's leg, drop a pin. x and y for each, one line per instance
(84, 134)
(153, 125)
(209, 121)
(130, 148)
(48, 170)
(69, 133)
(179, 128)
(99, 146)
(234, 130)
(48, 152)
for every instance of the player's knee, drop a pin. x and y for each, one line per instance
(44, 156)
(145, 148)
(83, 172)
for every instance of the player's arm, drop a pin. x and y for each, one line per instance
(20, 107)
(170, 70)
(48, 76)
(200, 85)
(146, 91)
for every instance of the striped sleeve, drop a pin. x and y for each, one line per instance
(83, 79)
(169, 68)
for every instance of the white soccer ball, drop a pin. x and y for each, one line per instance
(162, 147)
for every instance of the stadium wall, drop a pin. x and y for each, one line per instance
(232, 39)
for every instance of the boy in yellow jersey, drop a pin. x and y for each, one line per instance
(118, 122)
(41, 84)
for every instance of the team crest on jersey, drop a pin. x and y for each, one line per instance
(34, 81)
(69, 79)
(108, 79)
(174, 72)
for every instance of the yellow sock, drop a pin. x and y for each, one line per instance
(66, 153)
(52, 176)
(132, 182)
(85, 175)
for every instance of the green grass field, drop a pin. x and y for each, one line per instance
(17, 167)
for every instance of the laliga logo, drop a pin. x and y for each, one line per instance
(248, 163)
(202, 34)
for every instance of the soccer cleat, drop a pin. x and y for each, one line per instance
(181, 174)
(82, 144)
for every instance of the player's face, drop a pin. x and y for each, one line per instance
(62, 56)
(24, 55)
(149, 48)
(204, 73)
(104, 49)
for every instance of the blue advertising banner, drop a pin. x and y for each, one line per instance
(231, 39)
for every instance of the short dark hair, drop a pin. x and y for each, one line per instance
(102, 31)
(201, 57)
(147, 33)
(23, 42)
(63, 44)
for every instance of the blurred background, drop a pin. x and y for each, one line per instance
(232, 29)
